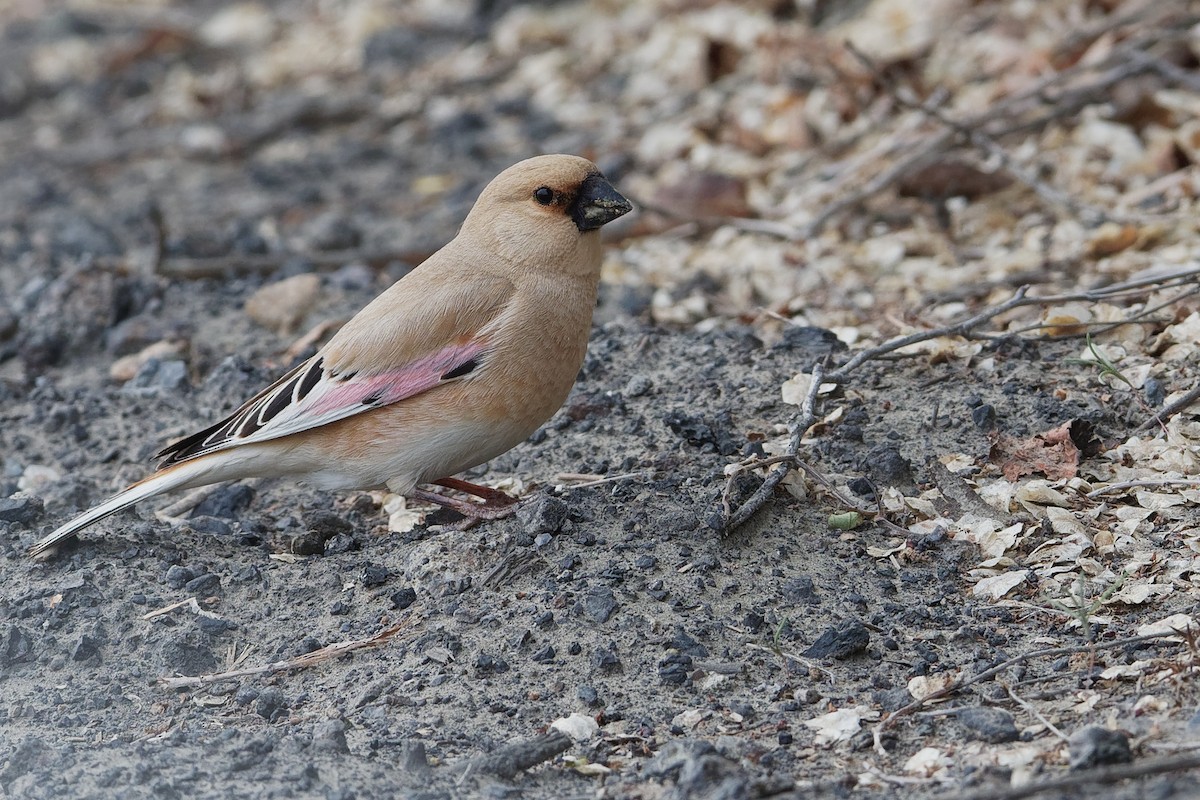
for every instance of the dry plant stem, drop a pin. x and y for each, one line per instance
(962, 683)
(797, 427)
(1018, 300)
(1182, 78)
(300, 662)
(931, 149)
(1147, 484)
(985, 143)
(1050, 726)
(958, 328)
(1009, 109)
(1106, 775)
(1169, 411)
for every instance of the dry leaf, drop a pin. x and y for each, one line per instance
(998, 586)
(840, 725)
(1055, 453)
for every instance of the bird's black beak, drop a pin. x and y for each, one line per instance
(597, 203)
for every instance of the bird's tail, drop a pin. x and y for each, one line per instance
(184, 475)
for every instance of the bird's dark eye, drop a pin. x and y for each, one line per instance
(544, 195)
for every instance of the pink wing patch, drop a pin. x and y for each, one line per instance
(310, 396)
(392, 387)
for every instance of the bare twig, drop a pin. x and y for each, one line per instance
(300, 662)
(1179, 77)
(1105, 775)
(984, 142)
(963, 683)
(959, 328)
(933, 147)
(797, 427)
(574, 480)
(1050, 726)
(1146, 484)
(1005, 117)
(1170, 410)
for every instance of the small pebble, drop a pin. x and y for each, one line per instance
(1097, 746)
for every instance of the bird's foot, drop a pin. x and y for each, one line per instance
(496, 504)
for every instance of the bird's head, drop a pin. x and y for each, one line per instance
(548, 209)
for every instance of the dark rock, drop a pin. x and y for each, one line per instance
(16, 646)
(700, 772)
(486, 663)
(892, 699)
(588, 695)
(888, 467)
(404, 598)
(984, 416)
(271, 704)
(309, 543)
(1153, 388)
(1097, 746)
(801, 590)
(334, 232)
(599, 603)
(543, 514)
(214, 626)
(246, 695)
(226, 502)
(413, 757)
(21, 508)
(374, 575)
(86, 648)
(177, 576)
(701, 432)
(331, 735)
(168, 376)
(210, 525)
(847, 639)
(309, 644)
(183, 655)
(604, 660)
(991, 725)
(646, 562)
(203, 584)
(545, 655)
(863, 488)
(810, 340)
(675, 668)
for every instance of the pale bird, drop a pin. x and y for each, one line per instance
(457, 362)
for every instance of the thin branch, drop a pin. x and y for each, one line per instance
(300, 662)
(984, 142)
(959, 328)
(932, 149)
(1146, 484)
(1074, 780)
(1050, 726)
(1171, 410)
(1004, 117)
(963, 683)
(797, 427)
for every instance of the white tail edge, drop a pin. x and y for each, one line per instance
(188, 473)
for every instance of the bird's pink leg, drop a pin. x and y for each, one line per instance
(496, 504)
(487, 493)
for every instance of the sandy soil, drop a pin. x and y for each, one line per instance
(700, 654)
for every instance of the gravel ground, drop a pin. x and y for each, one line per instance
(698, 655)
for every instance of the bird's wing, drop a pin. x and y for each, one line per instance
(387, 353)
